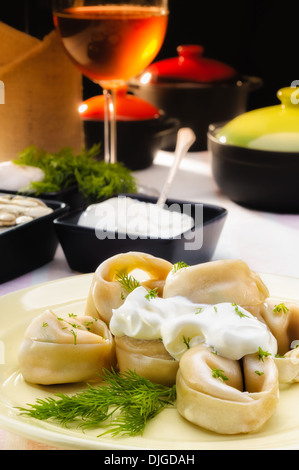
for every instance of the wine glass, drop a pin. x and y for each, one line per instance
(111, 42)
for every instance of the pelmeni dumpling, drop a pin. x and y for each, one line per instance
(282, 319)
(217, 281)
(147, 358)
(107, 293)
(211, 394)
(66, 350)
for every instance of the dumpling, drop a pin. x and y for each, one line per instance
(147, 358)
(217, 281)
(282, 319)
(211, 394)
(65, 350)
(107, 293)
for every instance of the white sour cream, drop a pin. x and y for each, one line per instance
(142, 318)
(14, 177)
(125, 215)
(230, 330)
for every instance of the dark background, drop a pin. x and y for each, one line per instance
(257, 37)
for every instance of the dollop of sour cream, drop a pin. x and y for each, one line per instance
(232, 331)
(136, 218)
(14, 177)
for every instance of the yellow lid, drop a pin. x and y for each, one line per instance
(274, 128)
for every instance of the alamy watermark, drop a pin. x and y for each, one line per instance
(125, 220)
(2, 92)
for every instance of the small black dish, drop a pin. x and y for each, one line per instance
(84, 251)
(29, 246)
(258, 179)
(71, 196)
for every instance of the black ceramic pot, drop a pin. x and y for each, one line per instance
(138, 141)
(259, 179)
(197, 105)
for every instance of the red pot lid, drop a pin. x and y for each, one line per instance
(128, 108)
(189, 66)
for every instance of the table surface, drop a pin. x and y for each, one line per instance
(267, 242)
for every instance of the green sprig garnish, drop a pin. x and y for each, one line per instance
(186, 341)
(152, 294)
(96, 180)
(219, 374)
(262, 354)
(238, 311)
(198, 310)
(179, 265)
(123, 405)
(280, 308)
(75, 336)
(128, 282)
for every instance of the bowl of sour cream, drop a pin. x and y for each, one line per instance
(177, 231)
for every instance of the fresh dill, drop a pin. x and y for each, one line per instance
(75, 336)
(198, 310)
(179, 265)
(128, 282)
(280, 308)
(95, 179)
(122, 405)
(238, 311)
(219, 374)
(186, 341)
(262, 354)
(152, 294)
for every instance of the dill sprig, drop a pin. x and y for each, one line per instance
(179, 265)
(152, 294)
(122, 405)
(94, 178)
(280, 308)
(219, 374)
(128, 282)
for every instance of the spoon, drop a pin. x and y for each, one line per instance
(185, 139)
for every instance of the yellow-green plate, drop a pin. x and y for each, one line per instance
(167, 431)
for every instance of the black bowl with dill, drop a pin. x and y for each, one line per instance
(75, 179)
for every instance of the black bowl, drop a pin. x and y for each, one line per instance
(70, 196)
(138, 141)
(259, 179)
(198, 105)
(84, 251)
(29, 246)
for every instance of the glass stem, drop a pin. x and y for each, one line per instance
(110, 137)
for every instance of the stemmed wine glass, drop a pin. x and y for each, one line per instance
(111, 42)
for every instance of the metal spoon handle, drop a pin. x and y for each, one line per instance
(185, 139)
